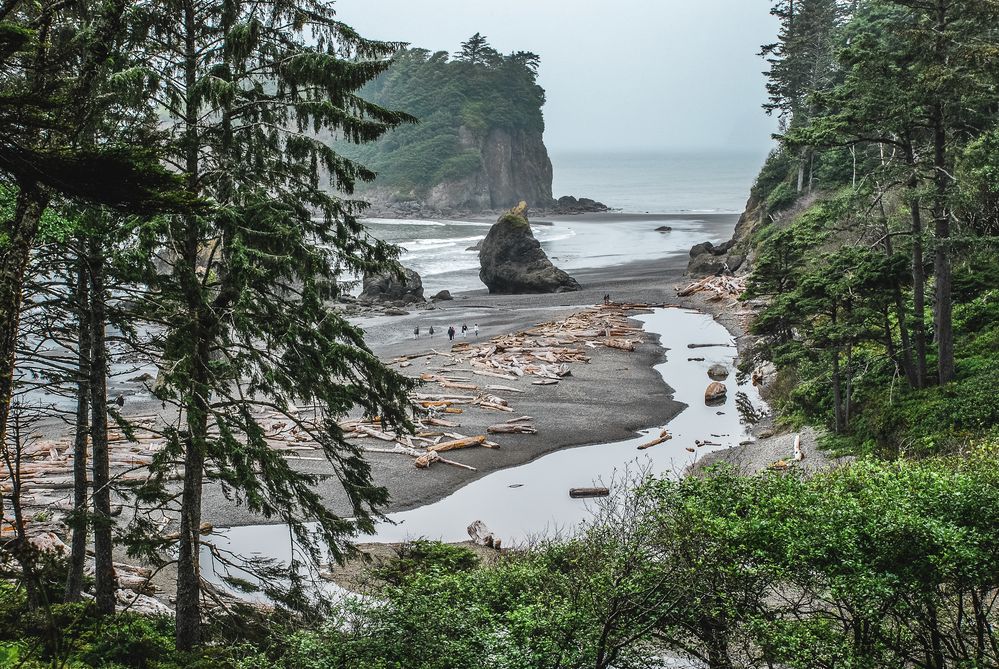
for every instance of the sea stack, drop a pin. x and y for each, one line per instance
(512, 261)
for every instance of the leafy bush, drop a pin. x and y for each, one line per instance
(416, 557)
(129, 640)
(782, 196)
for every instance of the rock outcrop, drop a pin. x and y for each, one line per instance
(567, 204)
(514, 166)
(390, 287)
(707, 259)
(512, 261)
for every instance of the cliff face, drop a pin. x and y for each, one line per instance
(514, 166)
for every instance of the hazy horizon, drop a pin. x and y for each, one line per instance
(632, 76)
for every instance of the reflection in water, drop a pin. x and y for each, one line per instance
(532, 499)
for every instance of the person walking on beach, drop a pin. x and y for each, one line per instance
(464, 330)
(416, 332)
(431, 330)
(450, 333)
(476, 326)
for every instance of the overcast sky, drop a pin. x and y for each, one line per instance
(619, 74)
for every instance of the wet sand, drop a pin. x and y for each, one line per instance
(609, 399)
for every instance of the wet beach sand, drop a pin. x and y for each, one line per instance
(608, 399)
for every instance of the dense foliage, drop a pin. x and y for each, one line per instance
(458, 102)
(877, 232)
(162, 173)
(879, 564)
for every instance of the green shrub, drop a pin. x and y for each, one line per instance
(781, 197)
(129, 640)
(416, 557)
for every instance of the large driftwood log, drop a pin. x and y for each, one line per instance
(457, 443)
(511, 428)
(578, 493)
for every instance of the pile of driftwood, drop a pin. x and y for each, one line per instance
(720, 287)
(546, 350)
(429, 441)
(542, 354)
(46, 465)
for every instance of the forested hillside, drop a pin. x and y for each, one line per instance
(478, 140)
(872, 229)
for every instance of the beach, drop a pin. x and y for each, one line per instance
(606, 400)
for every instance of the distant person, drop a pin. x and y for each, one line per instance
(464, 330)
(431, 330)
(476, 326)
(450, 333)
(416, 332)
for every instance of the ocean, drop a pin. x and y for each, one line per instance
(641, 185)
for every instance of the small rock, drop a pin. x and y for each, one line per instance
(396, 312)
(142, 378)
(444, 295)
(715, 392)
(718, 372)
(664, 228)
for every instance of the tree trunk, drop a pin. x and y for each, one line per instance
(918, 293)
(905, 360)
(21, 230)
(79, 522)
(837, 389)
(801, 169)
(188, 625)
(943, 308)
(104, 569)
(918, 268)
(187, 631)
(20, 548)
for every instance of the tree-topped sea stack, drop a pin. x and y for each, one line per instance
(478, 144)
(512, 261)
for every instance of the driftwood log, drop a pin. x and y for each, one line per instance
(578, 493)
(663, 436)
(483, 536)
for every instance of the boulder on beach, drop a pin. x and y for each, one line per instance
(718, 372)
(664, 228)
(715, 392)
(391, 287)
(512, 261)
(443, 295)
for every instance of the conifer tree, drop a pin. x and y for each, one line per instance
(476, 51)
(248, 89)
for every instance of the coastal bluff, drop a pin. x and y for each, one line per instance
(513, 166)
(512, 261)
